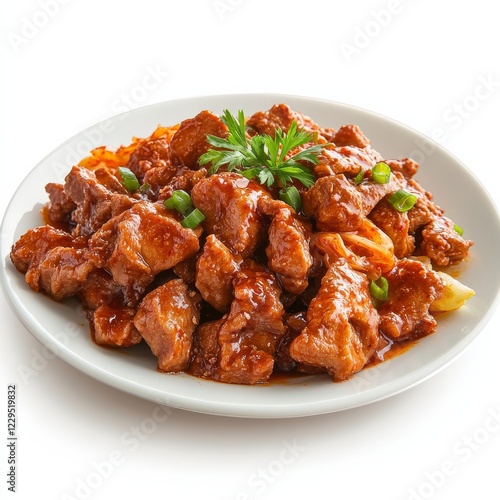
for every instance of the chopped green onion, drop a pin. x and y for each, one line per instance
(359, 178)
(379, 289)
(129, 179)
(458, 229)
(180, 201)
(381, 173)
(402, 200)
(193, 219)
(291, 196)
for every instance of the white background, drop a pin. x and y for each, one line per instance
(67, 65)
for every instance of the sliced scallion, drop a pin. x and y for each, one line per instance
(129, 179)
(379, 289)
(193, 219)
(402, 200)
(381, 173)
(359, 177)
(458, 229)
(180, 201)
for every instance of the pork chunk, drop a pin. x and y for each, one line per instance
(205, 351)
(442, 243)
(139, 243)
(190, 140)
(52, 261)
(150, 154)
(405, 166)
(341, 333)
(59, 207)
(215, 270)
(412, 289)
(288, 251)
(372, 192)
(334, 203)
(166, 319)
(424, 210)
(252, 329)
(95, 203)
(396, 225)
(350, 135)
(347, 160)
(114, 326)
(280, 116)
(230, 204)
(64, 271)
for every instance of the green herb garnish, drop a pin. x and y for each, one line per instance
(262, 156)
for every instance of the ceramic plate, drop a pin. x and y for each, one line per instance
(63, 328)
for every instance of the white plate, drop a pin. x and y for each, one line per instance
(63, 329)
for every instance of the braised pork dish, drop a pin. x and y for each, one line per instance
(237, 247)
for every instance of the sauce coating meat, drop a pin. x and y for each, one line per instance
(316, 273)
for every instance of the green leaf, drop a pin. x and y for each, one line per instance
(262, 156)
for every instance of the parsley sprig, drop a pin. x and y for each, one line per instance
(262, 156)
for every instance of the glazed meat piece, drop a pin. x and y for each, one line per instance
(288, 251)
(59, 207)
(334, 203)
(166, 319)
(109, 180)
(63, 271)
(215, 270)
(405, 166)
(412, 289)
(114, 326)
(372, 192)
(185, 179)
(442, 243)
(424, 210)
(189, 142)
(99, 289)
(31, 250)
(348, 160)
(294, 323)
(150, 154)
(342, 324)
(281, 116)
(396, 225)
(251, 330)
(229, 202)
(205, 351)
(157, 178)
(350, 135)
(32, 247)
(52, 261)
(95, 203)
(139, 243)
